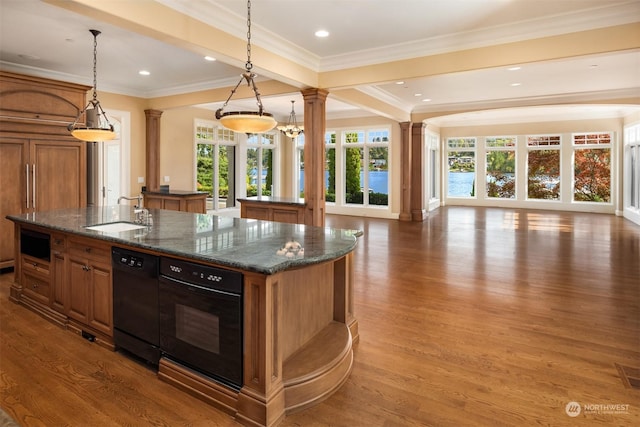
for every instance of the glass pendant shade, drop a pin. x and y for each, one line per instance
(248, 121)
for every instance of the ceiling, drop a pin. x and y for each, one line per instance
(40, 38)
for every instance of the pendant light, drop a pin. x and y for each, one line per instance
(291, 129)
(248, 122)
(96, 126)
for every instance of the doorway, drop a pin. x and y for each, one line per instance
(108, 164)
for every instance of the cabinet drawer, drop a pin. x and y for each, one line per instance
(90, 251)
(36, 287)
(58, 243)
(35, 265)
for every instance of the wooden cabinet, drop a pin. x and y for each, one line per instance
(177, 201)
(89, 288)
(41, 166)
(35, 279)
(58, 273)
(273, 209)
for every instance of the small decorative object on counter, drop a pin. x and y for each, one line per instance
(291, 249)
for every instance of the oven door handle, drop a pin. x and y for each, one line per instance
(192, 287)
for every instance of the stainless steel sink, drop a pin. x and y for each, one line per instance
(115, 227)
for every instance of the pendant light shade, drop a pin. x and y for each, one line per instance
(291, 129)
(96, 126)
(248, 122)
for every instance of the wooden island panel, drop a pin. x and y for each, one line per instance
(193, 202)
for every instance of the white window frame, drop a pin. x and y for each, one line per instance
(449, 150)
(488, 148)
(545, 147)
(587, 146)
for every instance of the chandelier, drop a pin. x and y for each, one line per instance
(291, 129)
(96, 126)
(248, 122)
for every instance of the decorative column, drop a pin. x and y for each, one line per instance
(418, 212)
(405, 177)
(153, 149)
(314, 155)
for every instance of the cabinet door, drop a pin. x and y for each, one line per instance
(59, 173)
(78, 287)
(101, 304)
(13, 197)
(58, 265)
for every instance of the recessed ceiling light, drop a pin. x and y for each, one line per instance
(516, 84)
(417, 94)
(426, 100)
(400, 82)
(209, 58)
(514, 68)
(322, 33)
(144, 73)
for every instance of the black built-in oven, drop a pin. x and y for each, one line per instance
(201, 319)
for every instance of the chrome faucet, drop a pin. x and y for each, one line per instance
(138, 198)
(142, 214)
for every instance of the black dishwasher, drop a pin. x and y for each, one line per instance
(135, 303)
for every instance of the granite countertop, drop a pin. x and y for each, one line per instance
(278, 200)
(246, 244)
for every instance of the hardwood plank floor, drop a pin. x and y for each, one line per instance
(475, 317)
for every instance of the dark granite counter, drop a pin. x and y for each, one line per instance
(175, 192)
(274, 200)
(249, 245)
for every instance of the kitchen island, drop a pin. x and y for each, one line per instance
(298, 320)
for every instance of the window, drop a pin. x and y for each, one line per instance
(501, 167)
(366, 167)
(260, 148)
(592, 167)
(461, 161)
(215, 163)
(632, 171)
(432, 175)
(299, 159)
(330, 166)
(543, 167)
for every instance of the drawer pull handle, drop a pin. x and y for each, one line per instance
(86, 268)
(34, 286)
(35, 264)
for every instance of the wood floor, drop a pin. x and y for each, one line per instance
(475, 317)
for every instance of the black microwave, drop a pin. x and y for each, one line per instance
(35, 244)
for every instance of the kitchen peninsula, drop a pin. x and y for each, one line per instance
(298, 325)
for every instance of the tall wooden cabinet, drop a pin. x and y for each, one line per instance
(41, 166)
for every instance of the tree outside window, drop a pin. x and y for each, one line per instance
(259, 177)
(543, 167)
(501, 167)
(215, 164)
(592, 167)
(366, 185)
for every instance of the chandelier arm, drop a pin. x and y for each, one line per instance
(219, 111)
